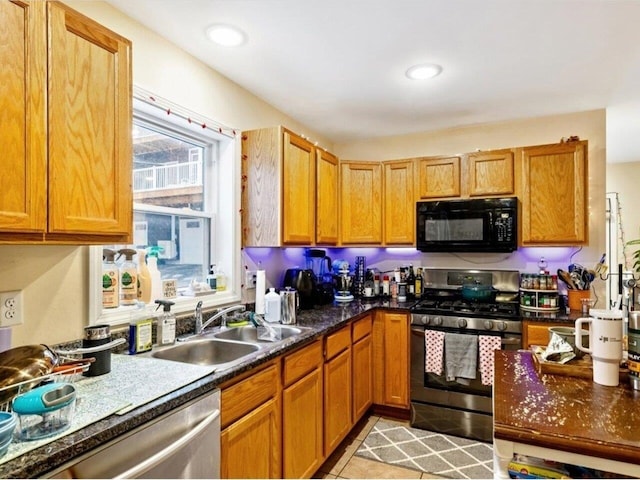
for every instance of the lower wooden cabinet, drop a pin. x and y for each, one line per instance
(337, 388)
(250, 447)
(362, 366)
(302, 412)
(250, 443)
(391, 359)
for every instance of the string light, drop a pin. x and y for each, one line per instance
(172, 109)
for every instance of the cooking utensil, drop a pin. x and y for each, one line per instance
(566, 278)
(477, 292)
(44, 411)
(21, 364)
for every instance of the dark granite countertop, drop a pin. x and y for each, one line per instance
(321, 320)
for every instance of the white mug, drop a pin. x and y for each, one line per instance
(605, 340)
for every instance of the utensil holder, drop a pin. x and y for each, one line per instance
(575, 298)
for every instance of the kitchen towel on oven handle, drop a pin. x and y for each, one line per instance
(460, 357)
(487, 345)
(433, 351)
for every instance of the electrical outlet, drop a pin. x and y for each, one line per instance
(250, 279)
(10, 308)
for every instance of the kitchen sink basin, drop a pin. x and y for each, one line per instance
(249, 333)
(207, 351)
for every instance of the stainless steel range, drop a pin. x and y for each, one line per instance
(457, 406)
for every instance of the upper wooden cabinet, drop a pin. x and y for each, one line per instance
(490, 173)
(327, 198)
(65, 94)
(281, 173)
(554, 194)
(399, 203)
(438, 177)
(361, 202)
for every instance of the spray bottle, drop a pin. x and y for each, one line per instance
(110, 273)
(166, 324)
(128, 278)
(144, 278)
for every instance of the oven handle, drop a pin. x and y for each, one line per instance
(419, 332)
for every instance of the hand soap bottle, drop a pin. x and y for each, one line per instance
(144, 278)
(166, 333)
(110, 274)
(156, 278)
(128, 278)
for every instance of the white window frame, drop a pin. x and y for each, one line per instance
(225, 239)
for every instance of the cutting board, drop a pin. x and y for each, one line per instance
(578, 367)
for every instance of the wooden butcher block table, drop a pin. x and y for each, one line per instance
(562, 418)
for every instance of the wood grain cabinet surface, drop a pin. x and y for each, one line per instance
(302, 412)
(490, 173)
(554, 194)
(361, 203)
(67, 120)
(438, 177)
(289, 190)
(391, 359)
(362, 363)
(399, 202)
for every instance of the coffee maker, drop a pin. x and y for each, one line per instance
(318, 262)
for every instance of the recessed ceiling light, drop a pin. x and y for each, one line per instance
(226, 35)
(423, 71)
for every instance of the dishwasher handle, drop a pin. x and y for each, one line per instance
(169, 450)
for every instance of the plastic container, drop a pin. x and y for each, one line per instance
(211, 277)
(110, 274)
(140, 331)
(166, 324)
(272, 304)
(128, 278)
(156, 278)
(144, 278)
(45, 411)
(221, 281)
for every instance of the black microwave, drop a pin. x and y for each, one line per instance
(470, 225)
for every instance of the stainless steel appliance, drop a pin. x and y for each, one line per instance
(320, 265)
(470, 225)
(304, 282)
(438, 404)
(184, 443)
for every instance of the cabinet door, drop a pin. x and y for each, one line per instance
(22, 115)
(89, 122)
(327, 198)
(250, 447)
(537, 333)
(361, 207)
(362, 377)
(554, 200)
(337, 400)
(396, 359)
(302, 426)
(491, 173)
(298, 190)
(399, 203)
(438, 177)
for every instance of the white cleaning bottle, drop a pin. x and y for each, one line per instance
(144, 278)
(156, 278)
(272, 306)
(128, 278)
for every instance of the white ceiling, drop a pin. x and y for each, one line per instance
(338, 66)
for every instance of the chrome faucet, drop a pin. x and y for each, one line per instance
(198, 316)
(218, 314)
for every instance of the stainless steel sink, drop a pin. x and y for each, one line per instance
(207, 351)
(249, 333)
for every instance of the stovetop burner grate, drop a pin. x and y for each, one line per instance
(463, 307)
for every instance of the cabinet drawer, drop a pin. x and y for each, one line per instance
(337, 342)
(300, 363)
(361, 328)
(243, 397)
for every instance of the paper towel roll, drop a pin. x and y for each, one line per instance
(260, 291)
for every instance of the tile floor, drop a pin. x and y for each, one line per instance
(344, 463)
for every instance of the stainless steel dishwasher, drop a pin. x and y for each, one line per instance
(183, 443)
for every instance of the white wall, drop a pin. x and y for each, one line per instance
(624, 179)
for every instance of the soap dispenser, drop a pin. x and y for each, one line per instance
(144, 278)
(128, 278)
(110, 273)
(166, 334)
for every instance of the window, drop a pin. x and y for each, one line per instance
(186, 205)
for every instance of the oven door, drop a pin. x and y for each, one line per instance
(438, 405)
(433, 388)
